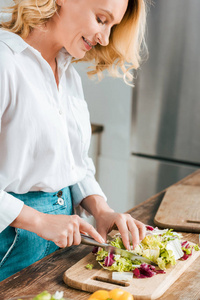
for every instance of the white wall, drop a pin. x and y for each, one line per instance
(5, 3)
(109, 103)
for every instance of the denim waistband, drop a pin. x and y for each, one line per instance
(46, 202)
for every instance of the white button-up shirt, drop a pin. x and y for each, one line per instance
(45, 130)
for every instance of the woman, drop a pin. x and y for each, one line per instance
(45, 171)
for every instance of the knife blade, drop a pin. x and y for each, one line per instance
(88, 240)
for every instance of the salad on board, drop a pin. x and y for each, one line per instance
(163, 247)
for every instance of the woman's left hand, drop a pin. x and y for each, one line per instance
(107, 219)
(127, 226)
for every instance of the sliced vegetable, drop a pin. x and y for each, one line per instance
(122, 276)
(160, 246)
(175, 247)
(196, 247)
(187, 249)
(117, 242)
(109, 260)
(89, 266)
(150, 228)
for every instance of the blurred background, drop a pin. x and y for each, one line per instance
(151, 136)
(151, 133)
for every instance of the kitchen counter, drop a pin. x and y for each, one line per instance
(47, 273)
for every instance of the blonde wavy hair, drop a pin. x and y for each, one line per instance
(126, 44)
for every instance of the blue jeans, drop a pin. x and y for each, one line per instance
(20, 248)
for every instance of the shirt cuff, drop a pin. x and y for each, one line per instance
(10, 208)
(87, 187)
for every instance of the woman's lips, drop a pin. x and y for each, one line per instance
(88, 44)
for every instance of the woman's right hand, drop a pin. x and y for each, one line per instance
(63, 230)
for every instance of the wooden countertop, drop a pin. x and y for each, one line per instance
(47, 273)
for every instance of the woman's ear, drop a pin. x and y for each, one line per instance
(59, 2)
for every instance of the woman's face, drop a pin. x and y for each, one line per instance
(82, 24)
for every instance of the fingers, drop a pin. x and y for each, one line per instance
(76, 238)
(123, 229)
(129, 226)
(102, 232)
(64, 231)
(70, 232)
(134, 231)
(142, 229)
(88, 228)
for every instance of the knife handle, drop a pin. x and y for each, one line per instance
(88, 240)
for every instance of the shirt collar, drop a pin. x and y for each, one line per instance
(17, 45)
(13, 41)
(63, 58)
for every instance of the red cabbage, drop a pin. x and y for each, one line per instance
(185, 245)
(95, 249)
(109, 260)
(145, 271)
(136, 272)
(185, 256)
(148, 227)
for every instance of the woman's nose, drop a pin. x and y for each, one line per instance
(103, 37)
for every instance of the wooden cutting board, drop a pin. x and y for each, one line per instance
(81, 278)
(180, 209)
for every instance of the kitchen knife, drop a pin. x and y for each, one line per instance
(88, 240)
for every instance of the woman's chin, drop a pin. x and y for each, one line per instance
(78, 54)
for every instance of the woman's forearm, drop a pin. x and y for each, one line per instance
(28, 219)
(96, 205)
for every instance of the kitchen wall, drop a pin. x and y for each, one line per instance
(5, 3)
(110, 104)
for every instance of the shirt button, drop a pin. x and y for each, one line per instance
(60, 201)
(73, 167)
(59, 194)
(60, 112)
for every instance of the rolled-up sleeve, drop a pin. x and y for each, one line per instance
(10, 208)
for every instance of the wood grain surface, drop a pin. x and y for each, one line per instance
(180, 209)
(81, 278)
(47, 274)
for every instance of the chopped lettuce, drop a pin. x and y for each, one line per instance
(117, 242)
(187, 249)
(101, 254)
(196, 247)
(89, 266)
(160, 246)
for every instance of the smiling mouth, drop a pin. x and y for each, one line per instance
(87, 42)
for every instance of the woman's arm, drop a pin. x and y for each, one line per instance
(106, 219)
(63, 230)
